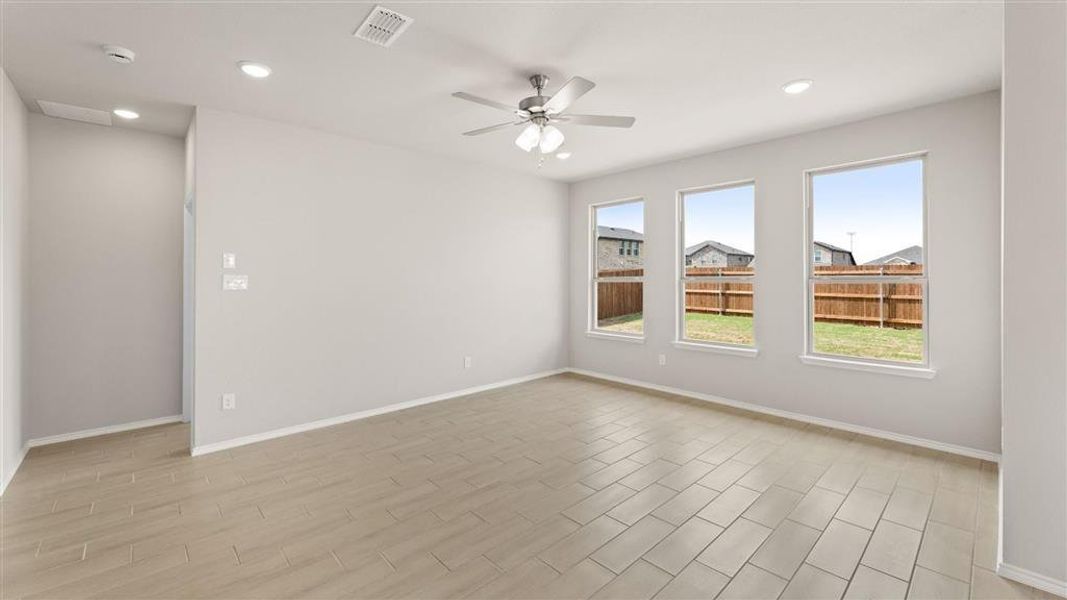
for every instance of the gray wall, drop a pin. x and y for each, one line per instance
(188, 272)
(14, 204)
(105, 291)
(960, 406)
(1034, 469)
(372, 272)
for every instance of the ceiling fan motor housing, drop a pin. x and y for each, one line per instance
(533, 104)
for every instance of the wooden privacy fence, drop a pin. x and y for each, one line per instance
(898, 305)
(617, 299)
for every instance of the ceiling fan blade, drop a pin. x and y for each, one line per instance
(598, 120)
(493, 128)
(488, 102)
(571, 91)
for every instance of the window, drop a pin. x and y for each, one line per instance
(717, 265)
(618, 280)
(867, 302)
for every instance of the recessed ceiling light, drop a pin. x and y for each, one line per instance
(254, 69)
(797, 87)
(563, 155)
(125, 113)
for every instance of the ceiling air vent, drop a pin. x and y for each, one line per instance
(382, 26)
(75, 113)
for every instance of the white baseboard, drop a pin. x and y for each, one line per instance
(878, 433)
(1034, 580)
(18, 463)
(328, 422)
(86, 433)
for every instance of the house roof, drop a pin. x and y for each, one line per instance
(831, 247)
(911, 255)
(718, 246)
(618, 233)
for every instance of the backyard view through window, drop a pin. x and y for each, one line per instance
(718, 255)
(867, 282)
(619, 270)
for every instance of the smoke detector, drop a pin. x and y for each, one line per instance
(382, 26)
(123, 56)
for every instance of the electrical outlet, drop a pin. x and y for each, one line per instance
(662, 359)
(229, 401)
(466, 362)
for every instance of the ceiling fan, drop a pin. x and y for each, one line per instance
(541, 113)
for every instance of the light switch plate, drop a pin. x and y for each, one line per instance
(232, 282)
(229, 260)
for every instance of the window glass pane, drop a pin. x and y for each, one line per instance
(620, 231)
(882, 321)
(720, 230)
(620, 307)
(869, 220)
(719, 241)
(718, 312)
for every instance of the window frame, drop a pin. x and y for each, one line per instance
(810, 356)
(591, 329)
(680, 278)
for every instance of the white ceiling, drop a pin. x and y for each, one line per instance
(697, 76)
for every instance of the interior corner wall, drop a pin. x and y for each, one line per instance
(373, 271)
(189, 271)
(960, 406)
(14, 240)
(1034, 467)
(105, 257)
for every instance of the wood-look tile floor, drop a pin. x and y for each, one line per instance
(558, 488)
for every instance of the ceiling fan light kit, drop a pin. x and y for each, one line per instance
(539, 113)
(529, 137)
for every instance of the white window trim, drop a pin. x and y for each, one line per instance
(728, 349)
(922, 369)
(615, 337)
(591, 330)
(680, 341)
(900, 369)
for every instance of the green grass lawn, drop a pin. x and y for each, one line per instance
(884, 343)
(632, 323)
(724, 329)
(842, 339)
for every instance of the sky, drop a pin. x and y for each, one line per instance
(726, 216)
(628, 216)
(883, 205)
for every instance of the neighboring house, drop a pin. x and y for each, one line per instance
(825, 255)
(710, 253)
(619, 248)
(912, 255)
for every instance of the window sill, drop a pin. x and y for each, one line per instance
(617, 337)
(716, 348)
(857, 365)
